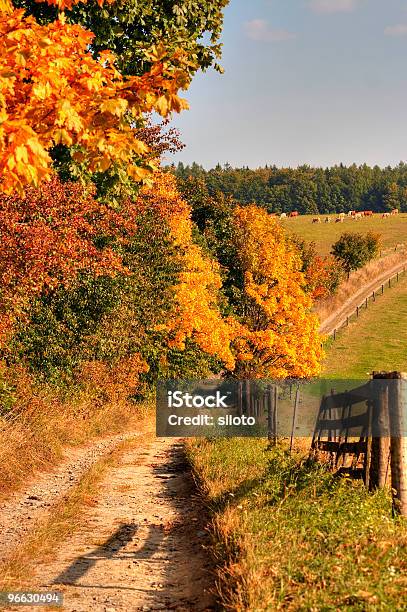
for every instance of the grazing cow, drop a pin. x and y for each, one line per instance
(395, 211)
(316, 220)
(283, 216)
(357, 216)
(342, 215)
(368, 213)
(327, 219)
(385, 215)
(339, 220)
(351, 213)
(294, 213)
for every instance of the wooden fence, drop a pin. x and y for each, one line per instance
(379, 290)
(361, 432)
(380, 459)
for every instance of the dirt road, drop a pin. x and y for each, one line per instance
(348, 307)
(141, 546)
(20, 512)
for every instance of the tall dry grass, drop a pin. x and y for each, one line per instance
(368, 274)
(41, 422)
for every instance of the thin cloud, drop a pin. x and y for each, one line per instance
(259, 30)
(333, 6)
(400, 29)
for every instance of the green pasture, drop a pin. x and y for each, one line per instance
(377, 341)
(392, 229)
(288, 535)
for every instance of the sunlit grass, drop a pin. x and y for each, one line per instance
(393, 230)
(288, 535)
(374, 342)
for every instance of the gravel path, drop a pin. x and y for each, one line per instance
(141, 545)
(23, 509)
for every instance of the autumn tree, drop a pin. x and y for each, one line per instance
(161, 307)
(48, 237)
(276, 334)
(129, 29)
(322, 274)
(267, 295)
(354, 250)
(55, 92)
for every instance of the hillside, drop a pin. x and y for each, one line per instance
(376, 341)
(393, 229)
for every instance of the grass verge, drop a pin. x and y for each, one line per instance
(65, 518)
(42, 422)
(373, 342)
(358, 280)
(289, 535)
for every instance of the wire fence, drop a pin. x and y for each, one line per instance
(371, 299)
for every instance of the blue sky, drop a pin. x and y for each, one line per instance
(306, 81)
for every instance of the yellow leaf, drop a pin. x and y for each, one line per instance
(116, 107)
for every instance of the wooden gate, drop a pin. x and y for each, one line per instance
(343, 434)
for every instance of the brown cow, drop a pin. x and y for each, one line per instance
(368, 213)
(294, 213)
(316, 220)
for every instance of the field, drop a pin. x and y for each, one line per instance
(376, 341)
(393, 229)
(288, 535)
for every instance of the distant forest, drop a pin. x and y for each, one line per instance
(305, 189)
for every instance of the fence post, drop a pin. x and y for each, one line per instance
(398, 442)
(270, 432)
(272, 415)
(357, 311)
(382, 289)
(297, 400)
(240, 397)
(366, 302)
(389, 283)
(380, 458)
(374, 296)
(248, 398)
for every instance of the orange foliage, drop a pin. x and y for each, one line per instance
(46, 239)
(277, 336)
(318, 276)
(52, 91)
(113, 382)
(196, 313)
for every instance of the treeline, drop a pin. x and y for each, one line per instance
(169, 285)
(305, 189)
